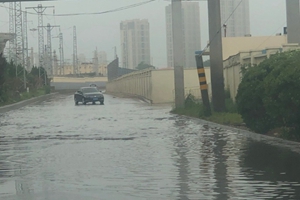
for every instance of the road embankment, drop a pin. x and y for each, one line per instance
(21, 104)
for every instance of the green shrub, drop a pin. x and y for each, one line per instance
(268, 96)
(47, 89)
(195, 108)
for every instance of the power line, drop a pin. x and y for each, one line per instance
(271, 35)
(208, 45)
(108, 11)
(92, 13)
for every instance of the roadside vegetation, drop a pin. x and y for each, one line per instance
(195, 108)
(143, 66)
(12, 86)
(267, 102)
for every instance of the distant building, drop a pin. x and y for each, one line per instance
(135, 43)
(87, 68)
(192, 36)
(81, 58)
(238, 24)
(102, 58)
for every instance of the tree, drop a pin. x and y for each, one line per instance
(3, 65)
(268, 96)
(143, 65)
(12, 83)
(206, 63)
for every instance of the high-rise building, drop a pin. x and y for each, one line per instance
(135, 43)
(237, 13)
(192, 36)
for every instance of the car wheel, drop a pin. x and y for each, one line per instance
(101, 102)
(94, 102)
(76, 103)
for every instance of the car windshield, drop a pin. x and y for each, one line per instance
(89, 90)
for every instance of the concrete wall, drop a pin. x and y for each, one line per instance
(234, 45)
(72, 83)
(114, 71)
(136, 83)
(163, 84)
(156, 85)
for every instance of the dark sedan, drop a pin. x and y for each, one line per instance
(88, 94)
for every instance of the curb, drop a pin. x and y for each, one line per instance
(291, 145)
(21, 104)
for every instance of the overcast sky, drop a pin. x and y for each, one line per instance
(267, 17)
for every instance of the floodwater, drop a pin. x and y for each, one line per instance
(129, 150)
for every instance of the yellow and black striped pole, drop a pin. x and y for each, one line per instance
(203, 85)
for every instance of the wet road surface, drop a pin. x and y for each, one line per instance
(129, 150)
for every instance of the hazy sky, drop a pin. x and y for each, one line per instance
(267, 17)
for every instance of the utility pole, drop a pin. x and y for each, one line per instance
(55, 63)
(61, 54)
(75, 61)
(116, 56)
(19, 42)
(225, 30)
(178, 52)
(40, 10)
(26, 60)
(293, 17)
(31, 58)
(11, 31)
(216, 55)
(49, 62)
(45, 58)
(96, 63)
(203, 85)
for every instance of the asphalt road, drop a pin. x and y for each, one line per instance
(129, 150)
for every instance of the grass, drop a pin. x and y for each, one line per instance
(194, 108)
(25, 96)
(233, 119)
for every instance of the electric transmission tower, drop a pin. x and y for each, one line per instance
(61, 54)
(40, 10)
(55, 63)
(11, 31)
(19, 43)
(75, 61)
(26, 58)
(96, 62)
(49, 61)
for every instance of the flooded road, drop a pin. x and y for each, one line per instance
(129, 150)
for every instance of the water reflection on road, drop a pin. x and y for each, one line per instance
(127, 149)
